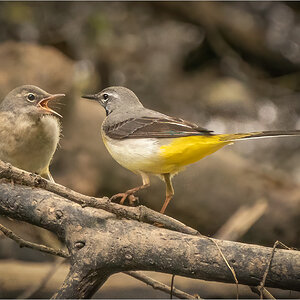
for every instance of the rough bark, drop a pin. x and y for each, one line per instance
(101, 244)
(140, 213)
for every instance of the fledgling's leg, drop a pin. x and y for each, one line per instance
(50, 177)
(169, 191)
(46, 174)
(131, 192)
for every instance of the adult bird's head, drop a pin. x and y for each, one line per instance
(116, 99)
(30, 100)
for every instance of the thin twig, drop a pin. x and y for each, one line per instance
(263, 282)
(228, 265)
(172, 286)
(160, 286)
(140, 213)
(31, 245)
(266, 293)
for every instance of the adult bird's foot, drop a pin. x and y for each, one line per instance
(132, 199)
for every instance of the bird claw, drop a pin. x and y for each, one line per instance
(132, 199)
(119, 195)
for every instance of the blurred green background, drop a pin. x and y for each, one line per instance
(227, 66)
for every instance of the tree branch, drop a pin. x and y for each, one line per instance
(81, 283)
(32, 290)
(141, 213)
(31, 245)
(100, 244)
(160, 286)
(262, 292)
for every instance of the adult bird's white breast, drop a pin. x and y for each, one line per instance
(135, 154)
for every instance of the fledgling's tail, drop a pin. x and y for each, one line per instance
(258, 135)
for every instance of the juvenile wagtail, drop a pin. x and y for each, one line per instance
(29, 132)
(148, 142)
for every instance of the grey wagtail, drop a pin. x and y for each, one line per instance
(29, 132)
(148, 142)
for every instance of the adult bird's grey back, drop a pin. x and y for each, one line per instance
(29, 130)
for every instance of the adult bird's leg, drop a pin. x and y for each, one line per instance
(131, 192)
(169, 191)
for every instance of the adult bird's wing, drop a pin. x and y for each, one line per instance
(154, 127)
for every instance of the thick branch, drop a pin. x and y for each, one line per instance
(81, 284)
(8, 171)
(99, 243)
(140, 213)
(138, 275)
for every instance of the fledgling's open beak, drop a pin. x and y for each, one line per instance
(44, 104)
(91, 97)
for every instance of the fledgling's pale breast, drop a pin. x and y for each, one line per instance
(33, 142)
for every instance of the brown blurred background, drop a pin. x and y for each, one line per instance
(230, 67)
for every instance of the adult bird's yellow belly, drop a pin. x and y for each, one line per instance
(161, 155)
(187, 150)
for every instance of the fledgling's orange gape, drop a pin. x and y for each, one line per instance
(148, 142)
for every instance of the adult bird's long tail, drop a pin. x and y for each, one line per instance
(258, 135)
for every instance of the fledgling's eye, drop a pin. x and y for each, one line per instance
(31, 97)
(105, 97)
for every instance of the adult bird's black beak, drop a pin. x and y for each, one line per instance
(91, 97)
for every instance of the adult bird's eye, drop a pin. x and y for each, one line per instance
(31, 97)
(105, 96)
